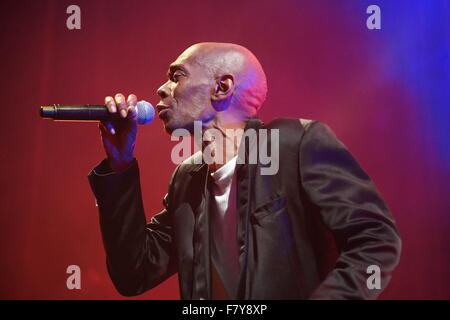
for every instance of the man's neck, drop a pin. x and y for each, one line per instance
(225, 148)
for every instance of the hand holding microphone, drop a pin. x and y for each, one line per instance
(118, 123)
(119, 136)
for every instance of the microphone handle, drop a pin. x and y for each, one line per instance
(83, 112)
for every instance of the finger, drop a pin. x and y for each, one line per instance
(121, 104)
(132, 103)
(110, 104)
(132, 100)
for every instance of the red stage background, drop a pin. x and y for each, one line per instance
(384, 92)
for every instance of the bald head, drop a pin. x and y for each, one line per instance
(215, 83)
(227, 59)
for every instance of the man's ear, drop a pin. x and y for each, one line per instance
(223, 89)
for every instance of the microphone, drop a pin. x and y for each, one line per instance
(89, 112)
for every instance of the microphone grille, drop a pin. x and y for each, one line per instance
(145, 112)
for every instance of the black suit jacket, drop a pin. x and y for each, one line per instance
(309, 231)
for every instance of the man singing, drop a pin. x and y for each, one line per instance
(309, 230)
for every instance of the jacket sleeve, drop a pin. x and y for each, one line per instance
(138, 255)
(353, 210)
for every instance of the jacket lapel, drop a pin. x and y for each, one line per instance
(201, 238)
(244, 177)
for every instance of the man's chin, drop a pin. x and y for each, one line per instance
(169, 130)
(170, 127)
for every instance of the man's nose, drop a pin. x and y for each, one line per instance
(163, 91)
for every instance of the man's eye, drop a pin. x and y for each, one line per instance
(176, 75)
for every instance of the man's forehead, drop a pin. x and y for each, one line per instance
(185, 55)
(176, 65)
(189, 58)
(182, 63)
